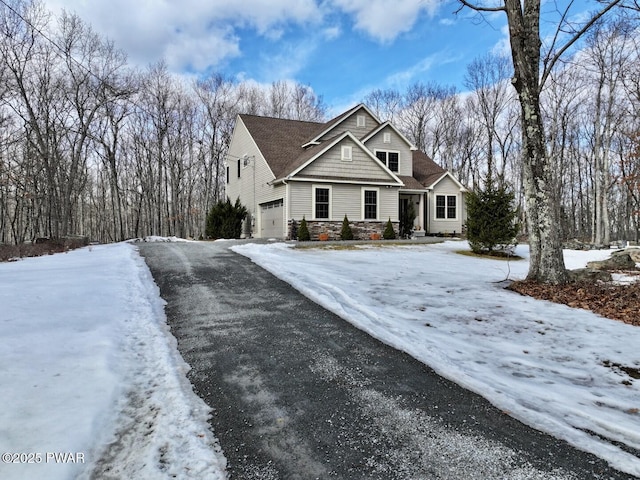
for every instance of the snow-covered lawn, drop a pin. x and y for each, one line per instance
(90, 376)
(558, 369)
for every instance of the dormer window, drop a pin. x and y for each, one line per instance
(390, 159)
(346, 154)
(361, 121)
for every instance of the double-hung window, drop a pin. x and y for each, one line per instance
(322, 197)
(370, 204)
(446, 207)
(390, 159)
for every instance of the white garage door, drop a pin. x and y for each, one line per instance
(272, 219)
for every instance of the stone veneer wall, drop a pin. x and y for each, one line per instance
(361, 230)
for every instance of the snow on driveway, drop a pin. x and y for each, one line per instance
(561, 370)
(90, 376)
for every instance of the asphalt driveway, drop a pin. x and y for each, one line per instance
(298, 393)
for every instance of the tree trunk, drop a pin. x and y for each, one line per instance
(547, 263)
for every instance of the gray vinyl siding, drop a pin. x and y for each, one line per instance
(446, 187)
(351, 124)
(345, 200)
(397, 145)
(361, 166)
(389, 205)
(251, 197)
(300, 200)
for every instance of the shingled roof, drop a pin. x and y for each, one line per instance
(425, 170)
(278, 139)
(281, 140)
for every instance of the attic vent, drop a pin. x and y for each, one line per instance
(361, 121)
(346, 153)
(386, 137)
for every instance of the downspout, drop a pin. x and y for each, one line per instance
(286, 208)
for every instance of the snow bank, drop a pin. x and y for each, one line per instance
(90, 377)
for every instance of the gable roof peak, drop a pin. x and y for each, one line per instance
(390, 125)
(328, 126)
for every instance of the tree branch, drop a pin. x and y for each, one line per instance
(550, 62)
(556, 35)
(479, 8)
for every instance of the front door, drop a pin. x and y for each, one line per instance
(406, 223)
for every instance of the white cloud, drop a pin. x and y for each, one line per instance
(405, 77)
(503, 47)
(331, 33)
(190, 33)
(291, 59)
(198, 54)
(384, 20)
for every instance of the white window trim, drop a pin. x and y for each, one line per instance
(346, 153)
(435, 207)
(361, 121)
(386, 162)
(313, 202)
(370, 189)
(386, 137)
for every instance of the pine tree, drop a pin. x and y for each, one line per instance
(346, 233)
(225, 220)
(491, 220)
(303, 231)
(389, 233)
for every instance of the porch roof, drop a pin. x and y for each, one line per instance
(411, 183)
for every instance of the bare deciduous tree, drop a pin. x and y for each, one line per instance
(531, 71)
(486, 77)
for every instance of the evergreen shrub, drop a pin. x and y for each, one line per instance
(389, 233)
(225, 219)
(303, 231)
(346, 233)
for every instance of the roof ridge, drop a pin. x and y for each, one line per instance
(267, 117)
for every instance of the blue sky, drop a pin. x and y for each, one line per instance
(343, 49)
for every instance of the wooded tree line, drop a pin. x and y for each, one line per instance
(91, 146)
(591, 110)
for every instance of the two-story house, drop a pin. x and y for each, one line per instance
(353, 165)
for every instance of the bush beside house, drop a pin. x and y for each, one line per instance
(225, 220)
(389, 233)
(303, 231)
(346, 233)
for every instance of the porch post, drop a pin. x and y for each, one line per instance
(421, 216)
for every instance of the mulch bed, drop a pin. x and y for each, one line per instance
(618, 302)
